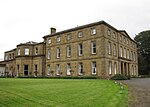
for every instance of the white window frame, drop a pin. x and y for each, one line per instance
(68, 68)
(93, 31)
(80, 49)
(26, 51)
(69, 51)
(58, 69)
(48, 54)
(93, 47)
(94, 69)
(58, 52)
(80, 68)
(80, 34)
(58, 39)
(110, 67)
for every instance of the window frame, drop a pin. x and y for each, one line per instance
(94, 68)
(58, 52)
(26, 51)
(93, 31)
(80, 49)
(93, 49)
(68, 50)
(80, 68)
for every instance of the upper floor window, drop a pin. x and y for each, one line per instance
(108, 32)
(80, 34)
(69, 37)
(6, 57)
(58, 52)
(18, 51)
(58, 39)
(120, 51)
(115, 50)
(68, 51)
(36, 51)
(94, 67)
(49, 41)
(114, 35)
(120, 38)
(26, 51)
(9, 56)
(80, 50)
(48, 54)
(124, 52)
(13, 55)
(109, 48)
(93, 31)
(128, 54)
(93, 47)
(127, 41)
(124, 40)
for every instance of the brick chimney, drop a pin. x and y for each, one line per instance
(52, 31)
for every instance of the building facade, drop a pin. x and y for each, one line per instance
(95, 49)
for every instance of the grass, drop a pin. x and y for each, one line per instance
(60, 93)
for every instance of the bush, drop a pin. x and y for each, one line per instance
(119, 77)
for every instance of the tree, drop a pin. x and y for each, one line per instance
(143, 44)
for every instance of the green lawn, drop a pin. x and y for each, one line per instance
(61, 93)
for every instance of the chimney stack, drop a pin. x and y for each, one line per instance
(53, 30)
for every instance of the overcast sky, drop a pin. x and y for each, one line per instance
(30, 20)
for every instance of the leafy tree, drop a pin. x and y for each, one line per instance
(143, 43)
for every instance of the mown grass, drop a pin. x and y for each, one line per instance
(61, 93)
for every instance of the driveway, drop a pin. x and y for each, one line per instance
(139, 92)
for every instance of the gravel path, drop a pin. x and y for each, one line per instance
(139, 92)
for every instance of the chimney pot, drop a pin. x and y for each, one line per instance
(53, 30)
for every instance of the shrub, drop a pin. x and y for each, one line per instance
(119, 77)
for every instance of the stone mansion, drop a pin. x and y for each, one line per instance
(96, 49)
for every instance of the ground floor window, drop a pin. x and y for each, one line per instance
(48, 69)
(115, 68)
(35, 70)
(58, 69)
(94, 67)
(68, 68)
(26, 70)
(110, 67)
(80, 68)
